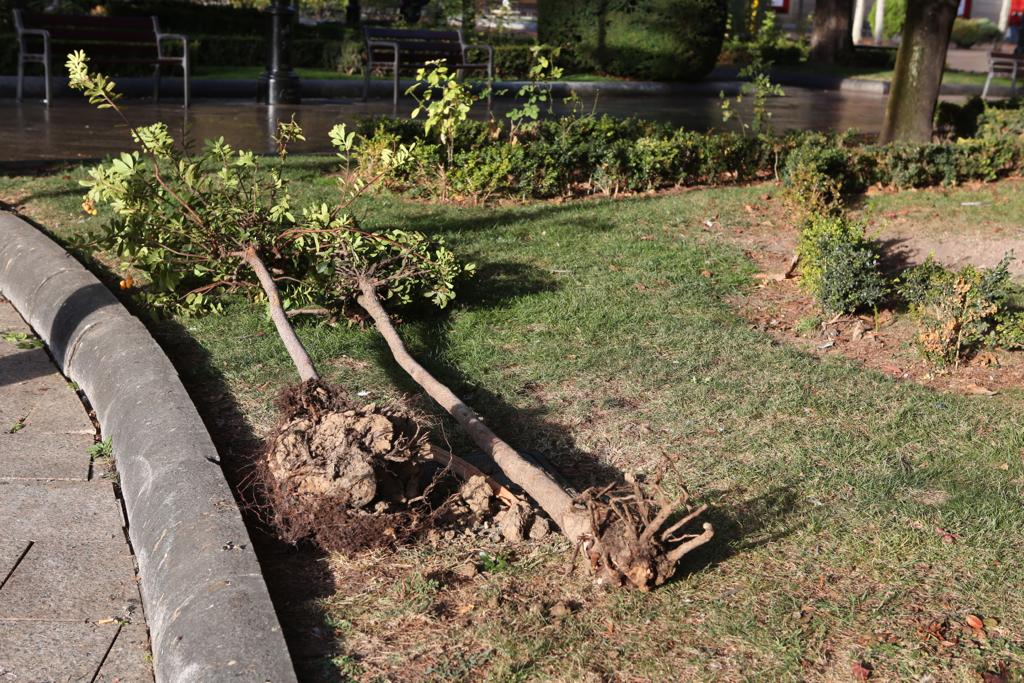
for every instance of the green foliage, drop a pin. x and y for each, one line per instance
(22, 340)
(960, 312)
(757, 85)
(103, 450)
(534, 95)
(894, 15)
(581, 155)
(1009, 333)
(819, 173)
(190, 223)
(839, 264)
(767, 41)
(672, 40)
(969, 32)
(445, 101)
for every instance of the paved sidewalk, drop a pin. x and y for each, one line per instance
(70, 608)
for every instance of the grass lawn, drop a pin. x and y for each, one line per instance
(949, 76)
(859, 520)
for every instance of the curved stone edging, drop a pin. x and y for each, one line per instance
(207, 606)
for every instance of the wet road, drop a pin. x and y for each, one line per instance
(71, 129)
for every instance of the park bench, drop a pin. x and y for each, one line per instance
(107, 40)
(1000, 62)
(397, 49)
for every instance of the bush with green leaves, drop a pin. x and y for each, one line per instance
(818, 173)
(970, 32)
(535, 96)
(670, 40)
(894, 14)
(192, 224)
(839, 265)
(444, 100)
(960, 312)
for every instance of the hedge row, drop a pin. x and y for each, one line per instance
(588, 155)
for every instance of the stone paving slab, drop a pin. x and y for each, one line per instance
(10, 321)
(70, 608)
(45, 403)
(11, 551)
(40, 511)
(72, 581)
(31, 455)
(128, 660)
(36, 651)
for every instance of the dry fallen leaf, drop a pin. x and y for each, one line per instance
(773, 277)
(861, 671)
(977, 390)
(975, 622)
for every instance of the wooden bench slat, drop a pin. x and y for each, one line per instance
(85, 21)
(402, 34)
(66, 34)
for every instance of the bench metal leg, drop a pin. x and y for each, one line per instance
(988, 82)
(187, 80)
(21, 78)
(490, 86)
(394, 102)
(46, 80)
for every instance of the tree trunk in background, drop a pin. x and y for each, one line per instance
(918, 74)
(831, 34)
(468, 17)
(353, 13)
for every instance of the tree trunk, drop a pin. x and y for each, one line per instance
(621, 535)
(831, 36)
(291, 341)
(535, 481)
(353, 13)
(917, 77)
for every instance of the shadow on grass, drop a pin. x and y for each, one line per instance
(745, 524)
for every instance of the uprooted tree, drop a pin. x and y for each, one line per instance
(197, 227)
(201, 226)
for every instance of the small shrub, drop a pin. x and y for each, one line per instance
(969, 32)
(1010, 330)
(839, 265)
(959, 312)
(818, 174)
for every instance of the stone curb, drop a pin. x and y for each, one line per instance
(722, 79)
(207, 606)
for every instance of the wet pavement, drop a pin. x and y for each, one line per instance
(71, 129)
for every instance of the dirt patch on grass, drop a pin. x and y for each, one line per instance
(886, 343)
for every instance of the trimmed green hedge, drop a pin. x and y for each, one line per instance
(589, 155)
(666, 40)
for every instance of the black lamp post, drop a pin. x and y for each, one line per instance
(279, 84)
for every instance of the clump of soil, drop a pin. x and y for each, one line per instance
(349, 477)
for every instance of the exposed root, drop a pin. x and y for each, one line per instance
(629, 543)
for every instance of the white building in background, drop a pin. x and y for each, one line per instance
(796, 13)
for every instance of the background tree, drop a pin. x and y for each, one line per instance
(831, 37)
(918, 74)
